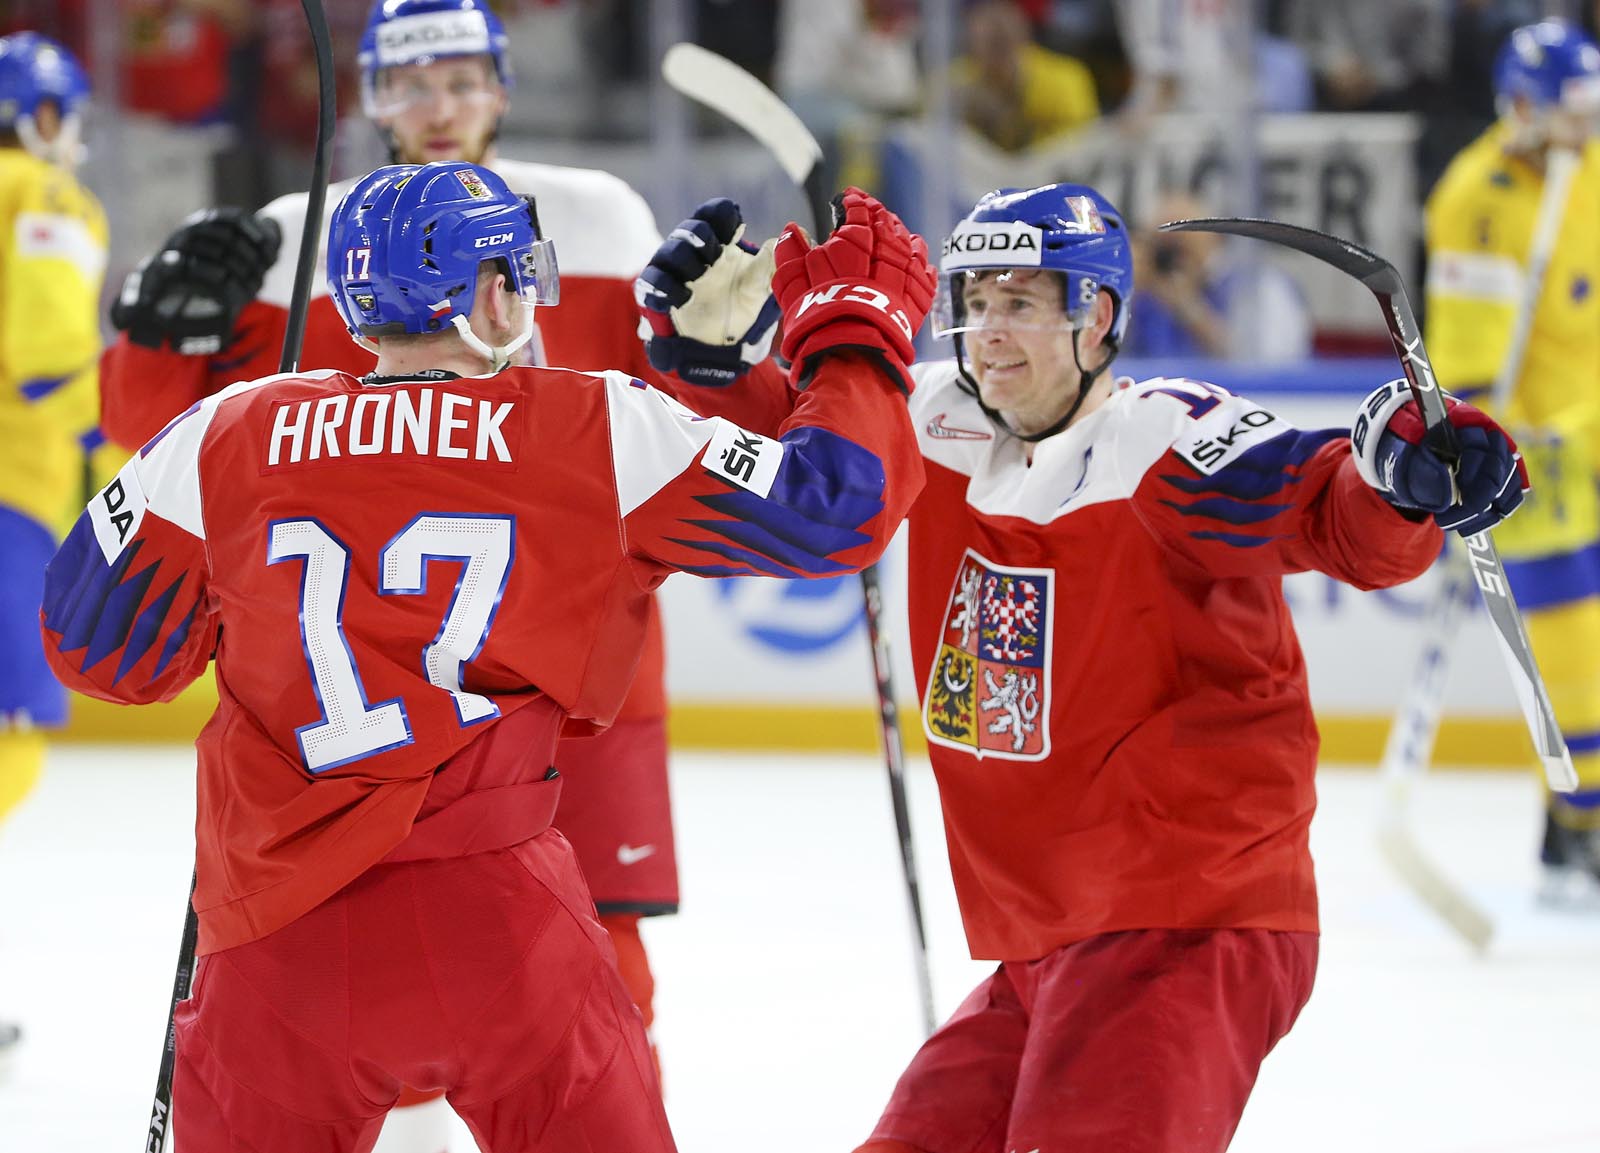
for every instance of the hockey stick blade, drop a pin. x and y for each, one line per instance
(721, 85)
(1384, 282)
(1423, 879)
(1409, 749)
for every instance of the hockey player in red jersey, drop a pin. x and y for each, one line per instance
(410, 582)
(1114, 699)
(211, 309)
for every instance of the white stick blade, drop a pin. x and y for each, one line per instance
(719, 83)
(1453, 906)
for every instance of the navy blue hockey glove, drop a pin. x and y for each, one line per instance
(1388, 442)
(707, 311)
(190, 293)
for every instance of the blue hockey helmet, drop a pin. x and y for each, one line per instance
(421, 31)
(1551, 63)
(406, 242)
(1069, 229)
(35, 69)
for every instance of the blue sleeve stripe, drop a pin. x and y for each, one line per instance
(1228, 510)
(1235, 539)
(76, 583)
(146, 629)
(827, 479)
(752, 560)
(1263, 471)
(1577, 744)
(116, 617)
(41, 387)
(175, 641)
(91, 440)
(1551, 581)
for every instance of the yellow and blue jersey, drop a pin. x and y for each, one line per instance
(53, 244)
(1479, 227)
(1480, 222)
(52, 261)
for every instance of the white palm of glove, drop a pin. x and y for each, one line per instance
(726, 300)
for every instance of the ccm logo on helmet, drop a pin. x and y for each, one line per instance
(857, 294)
(491, 241)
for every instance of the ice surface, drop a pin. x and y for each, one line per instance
(786, 1000)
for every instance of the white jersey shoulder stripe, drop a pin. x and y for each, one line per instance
(164, 476)
(653, 437)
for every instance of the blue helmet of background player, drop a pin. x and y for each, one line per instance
(1067, 229)
(401, 32)
(406, 242)
(1549, 64)
(35, 70)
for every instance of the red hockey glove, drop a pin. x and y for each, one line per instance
(1490, 478)
(865, 289)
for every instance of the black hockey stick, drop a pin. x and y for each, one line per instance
(723, 86)
(1382, 279)
(160, 1126)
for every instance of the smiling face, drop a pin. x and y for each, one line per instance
(1018, 343)
(446, 110)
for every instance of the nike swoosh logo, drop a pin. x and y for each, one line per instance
(942, 431)
(633, 854)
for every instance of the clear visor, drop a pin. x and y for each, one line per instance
(539, 278)
(431, 84)
(1012, 299)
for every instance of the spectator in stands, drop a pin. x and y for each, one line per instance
(1012, 91)
(843, 66)
(1373, 55)
(1195, 296)
(174, 95)
(1191, 56)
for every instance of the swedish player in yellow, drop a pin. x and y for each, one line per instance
(52, 260)
(1480, 225)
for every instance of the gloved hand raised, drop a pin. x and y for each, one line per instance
(190, 293)
(866, 288)
(705, 298)
(1387, 439)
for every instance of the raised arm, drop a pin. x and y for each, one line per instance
(824, 494)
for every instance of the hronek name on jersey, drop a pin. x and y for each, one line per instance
(429, 422)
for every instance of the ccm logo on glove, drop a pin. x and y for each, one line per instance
(857, 294)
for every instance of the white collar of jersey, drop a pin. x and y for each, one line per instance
(1100, 458)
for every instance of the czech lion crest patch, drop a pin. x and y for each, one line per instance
(989, 691)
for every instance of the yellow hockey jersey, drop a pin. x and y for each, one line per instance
(53, 243)
(1479, 224)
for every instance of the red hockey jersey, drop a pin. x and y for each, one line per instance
(1114, 698)
(604, 234)
(387, 571)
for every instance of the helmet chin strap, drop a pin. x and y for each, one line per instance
(1086, 380)
(66, 150)
(498, 355)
